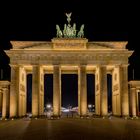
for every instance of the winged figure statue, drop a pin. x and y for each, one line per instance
(68, 17)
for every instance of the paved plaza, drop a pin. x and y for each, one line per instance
(70, 129)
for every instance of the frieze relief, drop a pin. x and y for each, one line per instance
(68, 58)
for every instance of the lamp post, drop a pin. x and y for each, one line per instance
(89, 107)
(48, 106)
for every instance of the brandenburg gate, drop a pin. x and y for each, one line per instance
(69, 53)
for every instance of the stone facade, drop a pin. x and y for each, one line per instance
(69, 55)
(134, 94)
(4, 98)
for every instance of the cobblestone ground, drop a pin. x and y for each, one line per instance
(70, 129)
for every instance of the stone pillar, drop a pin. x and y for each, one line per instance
(19, 95)
(116, 91)
(133, 101)
(41, 91)
(137, 101)
(56, 91)
(97, 92)
(124, 90)
(1, 100)
(14, 89)
(35, 91)
(82, 91)
(25, 96)
(5, 103)
(22, 92)
(103, 90)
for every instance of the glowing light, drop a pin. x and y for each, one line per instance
(66, 110)
(89, 106)
(48, 106)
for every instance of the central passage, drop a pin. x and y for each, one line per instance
(69, 90)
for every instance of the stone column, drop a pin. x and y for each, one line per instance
(116, 91)
(124, 90)
(56, 91)
(19, 95)
(1, 100)
(14, 90)
(103, 90)
(5, 103)
(137, 101)
(35, 91)
(97, 92)
(25, 96)
(41, 91)
(82, 91)
(133, 101)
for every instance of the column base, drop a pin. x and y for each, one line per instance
(105, 116)
(134, 117)
(55, 116)
(13, 117)
(126, 117)
(84, 116)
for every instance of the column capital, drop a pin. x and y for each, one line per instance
(103, 66)
(5, 88)
(124, 65)
(13, 65)
(138, 90)
(0, 90)
(21, 65)
(56, 65)
(82, 65)
(35, 65)
(117, 65)
(133, 88)
(99, 65)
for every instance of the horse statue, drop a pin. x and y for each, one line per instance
(81, 32)
(65, 30)
(74, 30)
(69, 31)
(59, 32)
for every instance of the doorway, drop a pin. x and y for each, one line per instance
(48, 92)
(69, 92)
(91, 92)
(109, 92)
(29, 93)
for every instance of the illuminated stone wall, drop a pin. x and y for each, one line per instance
(71, 56)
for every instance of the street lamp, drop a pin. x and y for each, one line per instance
(48, 106)
(89, 107)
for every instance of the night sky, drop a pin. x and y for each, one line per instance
(104, 21)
